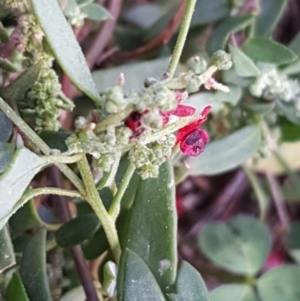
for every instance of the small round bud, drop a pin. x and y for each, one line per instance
(104, 162)
(152, 119)
(165, 99)
(197, 64)
(222, 60)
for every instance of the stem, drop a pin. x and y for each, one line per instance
(64, 159)
(181, 37)
(262, 197)
(115, 205)
(97, 205)
(45, 149)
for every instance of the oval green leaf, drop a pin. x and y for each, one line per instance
(64, 45)
(33, 269)
(16, 89)
(13, 182)
(288, 109)
(227, 153)
(270, 13)
(241, 246)
(7, 254)
(236, 292)
(5, 126)
(95, 12)
(15, 289)
(77, 230)
(281, 283)
(135, 280)
(150, 227)
(261, 49)
(6, 153)
(221, 33)
(242, 64)
(190, 285)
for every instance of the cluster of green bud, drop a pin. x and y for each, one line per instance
(222, 60)
(147, 159)
(121, 132)
(76, 17)
(271, 85)
(114, 100)
(45, 98)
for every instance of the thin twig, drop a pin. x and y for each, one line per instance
(278, 201)
(104, 34)
(163, 39)
(65, 215)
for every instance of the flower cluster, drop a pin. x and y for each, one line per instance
(45, 100)
(271, 85)
(143, 124)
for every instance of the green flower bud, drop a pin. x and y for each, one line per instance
(148, 171)
(197, 64)
(221, 60)
(104, 162)
(114, 100)
(165, 99)
(123, 135)
(194, 84)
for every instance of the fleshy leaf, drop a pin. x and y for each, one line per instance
(221, 33)
(95, 12)
(261, 49)
(135, 280)
(7, 254)
(270, 13)
(77, 230)
(64, 45)
(13, 182)
(150, 227)
(15, 289)
(5, 126)
(242, 64)
(33, 268)
(227, 153)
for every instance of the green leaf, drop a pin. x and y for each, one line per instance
(5, 126)
(13, 182)
(259, 108)
(241, 246)
(281, 283)
(4, 36)
(150, 227)
(221, 33)
(16, 89)
(56, 140)
(110, 272)
(290, 132)
(25, 218)
(242, 64)
(64, 45)
(135, 280)
(270, 13)
(210, 11)
(135, 74)
(288, 109)
(33, 268)
(295, 44)
(231, 77)
(95, 245)
(8, 66)
(292, 69)
(75, 294)
(236, 292)
(15, 289)
(7, 254)
(227, 153)
(6, 153)
(95, 12)
(190, 285)
(77, 230)
(261, 49)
